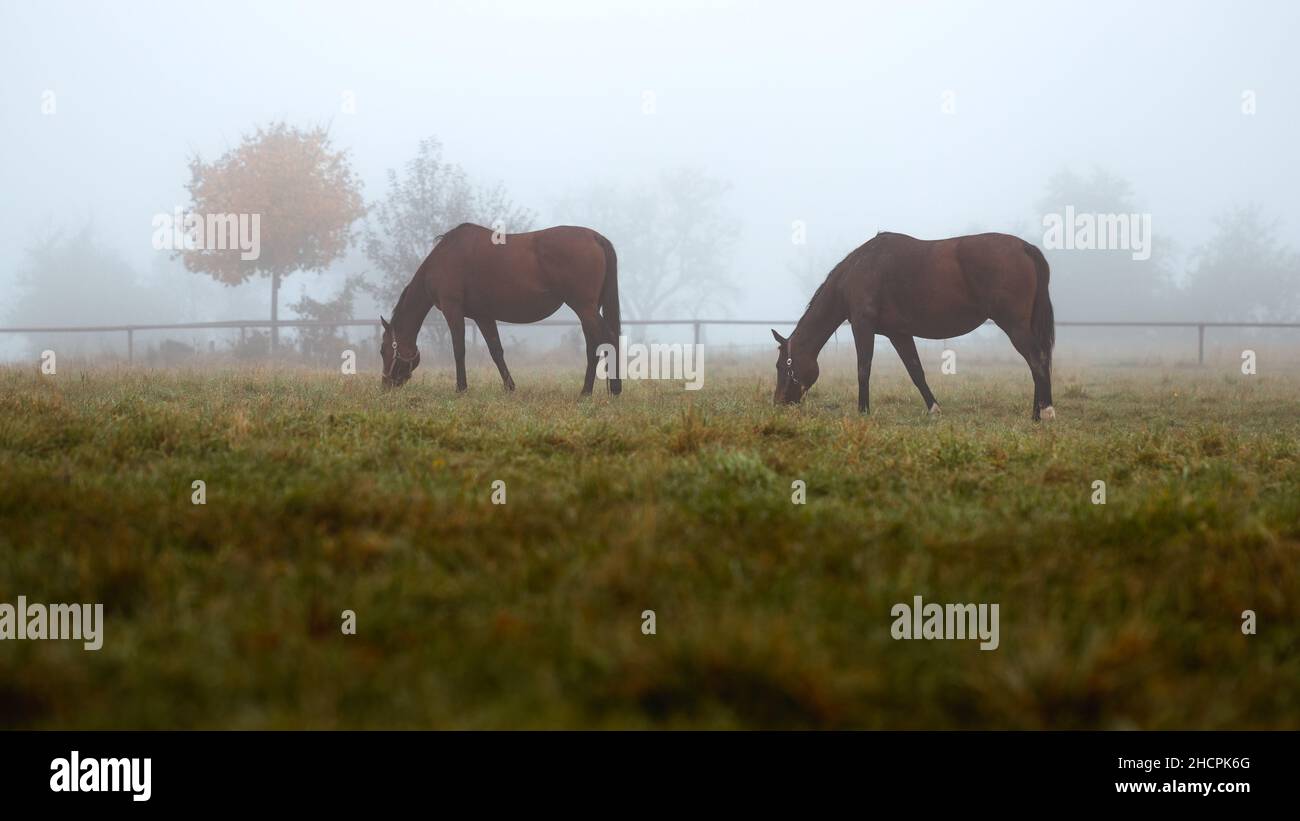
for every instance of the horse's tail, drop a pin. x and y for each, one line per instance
(609, 308)
(1042, 322)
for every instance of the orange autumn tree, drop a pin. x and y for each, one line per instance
(305, 194)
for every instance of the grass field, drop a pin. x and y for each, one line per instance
(324, 494)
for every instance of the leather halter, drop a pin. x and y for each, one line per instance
(397, 357)
(789, 364)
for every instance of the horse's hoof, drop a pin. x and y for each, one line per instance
(934, 409)
(1049, 412)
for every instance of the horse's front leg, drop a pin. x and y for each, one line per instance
(456, 324)
(864, 339)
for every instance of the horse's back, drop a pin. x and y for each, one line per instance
(938, 289)
(524, 277)
(532, 253)
(1001, 270)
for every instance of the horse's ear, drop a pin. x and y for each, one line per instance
(383, 321)
(780, 340)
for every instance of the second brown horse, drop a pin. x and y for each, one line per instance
(474, 273)
(902, 287)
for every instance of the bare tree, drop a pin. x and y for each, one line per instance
(674, 240)
(1245, 272)
(323, 344)
(74, 278)
(428, 199)
(1102, 283)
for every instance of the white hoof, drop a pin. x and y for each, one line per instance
(934, 409)
(1049, 412)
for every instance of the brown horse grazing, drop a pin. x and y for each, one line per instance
(519, 278)
(902, 287)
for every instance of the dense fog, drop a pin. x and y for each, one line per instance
(733, 152)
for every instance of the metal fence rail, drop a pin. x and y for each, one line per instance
(698, 324)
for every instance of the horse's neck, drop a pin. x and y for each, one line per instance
(821, 319)
(413, 306)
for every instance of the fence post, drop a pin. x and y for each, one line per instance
(130, 345)
(697, 333)
(275, 314)
(1200, 344)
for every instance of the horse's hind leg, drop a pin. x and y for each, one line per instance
(493, 340)
(615, 383)
(1023, 340)
(906, 347)
(596, 333)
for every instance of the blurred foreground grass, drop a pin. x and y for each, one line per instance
(324, 494)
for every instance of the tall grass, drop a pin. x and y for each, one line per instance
(325, 494)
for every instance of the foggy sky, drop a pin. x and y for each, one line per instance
(828, 113)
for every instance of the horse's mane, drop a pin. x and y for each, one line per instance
(832, 273)
(852, 258)
(438, 238)
(817, 292)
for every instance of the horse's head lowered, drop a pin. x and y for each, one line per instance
(794, 374)
(399, 362)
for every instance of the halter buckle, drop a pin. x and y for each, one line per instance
(397, 357)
